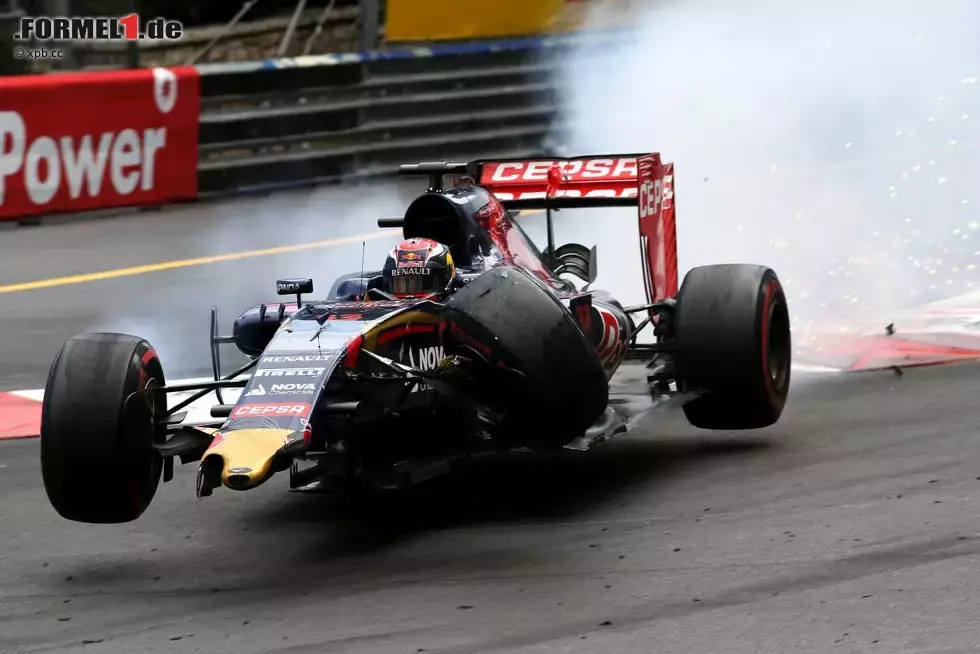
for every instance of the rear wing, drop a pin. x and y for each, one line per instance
(621, 180)
(563, 183)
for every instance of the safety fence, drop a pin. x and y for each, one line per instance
(77, 141)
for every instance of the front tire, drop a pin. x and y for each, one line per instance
(559, 388)
(733, 344)
(98, 428)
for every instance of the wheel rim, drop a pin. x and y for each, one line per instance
(778, 352)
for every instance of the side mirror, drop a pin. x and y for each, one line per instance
(294, 286)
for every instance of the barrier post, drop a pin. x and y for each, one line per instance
(9, 64)
(68, 60)
(369, 15)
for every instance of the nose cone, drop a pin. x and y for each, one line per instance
(246, 457)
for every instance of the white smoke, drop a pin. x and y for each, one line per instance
(834, 141)
(171, 308)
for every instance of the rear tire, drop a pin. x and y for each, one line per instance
(509, 320)
(733, 343)
(98, 428)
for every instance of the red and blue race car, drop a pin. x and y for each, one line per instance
(369, 389)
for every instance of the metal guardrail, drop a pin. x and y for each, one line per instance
(305, 120)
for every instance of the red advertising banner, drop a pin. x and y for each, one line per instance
(76, 141)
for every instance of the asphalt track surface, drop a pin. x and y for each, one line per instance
(849, 526)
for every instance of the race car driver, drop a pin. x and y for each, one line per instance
(419, 268)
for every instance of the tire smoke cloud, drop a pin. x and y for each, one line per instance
(240, 225)
(838, 142)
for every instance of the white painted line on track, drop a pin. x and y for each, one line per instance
(37, 394)
(809, 369)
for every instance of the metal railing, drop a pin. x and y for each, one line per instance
(338, 117)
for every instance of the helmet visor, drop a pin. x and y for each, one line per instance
(414, 284)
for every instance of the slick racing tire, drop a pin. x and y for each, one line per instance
(98, 428)
(532, 356)
(733, 345)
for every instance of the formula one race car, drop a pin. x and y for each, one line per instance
(369, 390)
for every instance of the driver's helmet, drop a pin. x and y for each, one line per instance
(418, 267)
